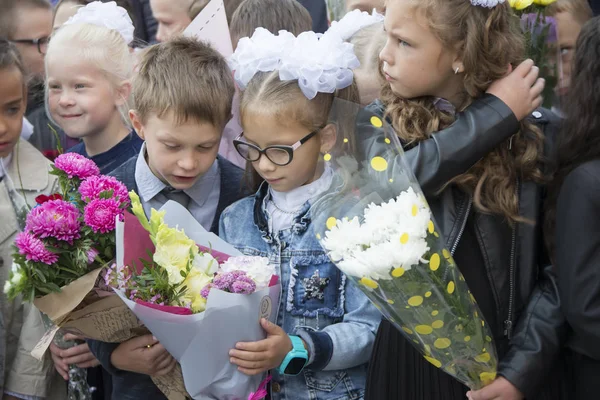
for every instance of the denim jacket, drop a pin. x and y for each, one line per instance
(333, 317)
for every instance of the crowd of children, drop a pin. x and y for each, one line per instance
(450, 76)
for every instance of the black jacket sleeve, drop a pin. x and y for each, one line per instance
(450, 152)
(537, 339)
(578, 256)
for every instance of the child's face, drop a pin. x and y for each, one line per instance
(568, 31)
(81, 100)
(12, 108)
(178, 154)
(306, 166)
(415, 61)
(172, 17)
(32, 23)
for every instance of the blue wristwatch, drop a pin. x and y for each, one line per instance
(296, 359)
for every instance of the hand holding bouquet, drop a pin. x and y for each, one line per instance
(181, 287)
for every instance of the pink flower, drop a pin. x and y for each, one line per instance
(100, 214)
(76, 165)
(33, 249)
(91, 188)
(55, 218)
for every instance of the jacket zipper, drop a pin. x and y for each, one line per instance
(462, 228)
(508, 324)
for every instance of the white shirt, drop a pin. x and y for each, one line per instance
(283, 207)
(4, 164)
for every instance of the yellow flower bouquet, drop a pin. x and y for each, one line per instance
(378, 229)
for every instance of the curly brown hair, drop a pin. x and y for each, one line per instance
(488, 40)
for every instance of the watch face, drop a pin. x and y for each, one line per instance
(295, 366)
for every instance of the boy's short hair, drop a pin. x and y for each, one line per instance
(579, 9)
(8, 9)
(273, 15)
(186, 77)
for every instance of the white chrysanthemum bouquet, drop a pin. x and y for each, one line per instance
(378, 229)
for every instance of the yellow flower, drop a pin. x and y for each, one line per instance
(138, 210)
(195, 282)
(520, 4)
(156, 222)
(543, 2)
(173, 252)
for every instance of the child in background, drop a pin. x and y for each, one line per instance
(273, 15)
(182, 96)
(328, 322)
(368, 43)
(570, 15)
(24, 175)
(174, 16)
(88, 70)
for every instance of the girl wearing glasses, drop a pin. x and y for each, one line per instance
(326, 326)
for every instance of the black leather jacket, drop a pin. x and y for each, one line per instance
(524, 291)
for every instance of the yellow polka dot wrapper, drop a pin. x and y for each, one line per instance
(378, 229)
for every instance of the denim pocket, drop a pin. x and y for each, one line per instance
(316, 287)
(337, 385)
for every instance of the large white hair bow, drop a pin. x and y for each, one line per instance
(319, 62)
(487, 3)
(108, 15)
(353, 22)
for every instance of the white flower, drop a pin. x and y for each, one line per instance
(205, 263)
(7, 287)
(344, 237)
(392, 235)
(108, 15)
(257, 268)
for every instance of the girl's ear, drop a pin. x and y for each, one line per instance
(328, 138)
(136, 122)
(123, 93)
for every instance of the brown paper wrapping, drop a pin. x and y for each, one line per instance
(80, 310)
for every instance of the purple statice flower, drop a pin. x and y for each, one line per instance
(76, 166)
(205, 291)
(243, 287)
(154, 299)
(232, 282)
(34, 249)
(55, 218)
(91, 188)
(100, 214)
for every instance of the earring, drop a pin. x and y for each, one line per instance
(327, 157)
(456, 70)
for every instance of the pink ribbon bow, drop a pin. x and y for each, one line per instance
(261, 393)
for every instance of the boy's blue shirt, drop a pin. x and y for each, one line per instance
(112, 159)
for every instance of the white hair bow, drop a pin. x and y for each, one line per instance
(108, 15)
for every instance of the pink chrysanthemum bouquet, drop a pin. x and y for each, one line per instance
(67, 234)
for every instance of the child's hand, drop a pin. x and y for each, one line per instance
(144, 355)
(253, 358)
(500, 389)
(79, 355)
(520, 89)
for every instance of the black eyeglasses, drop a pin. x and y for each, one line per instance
(41, 43)
(279, 155)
